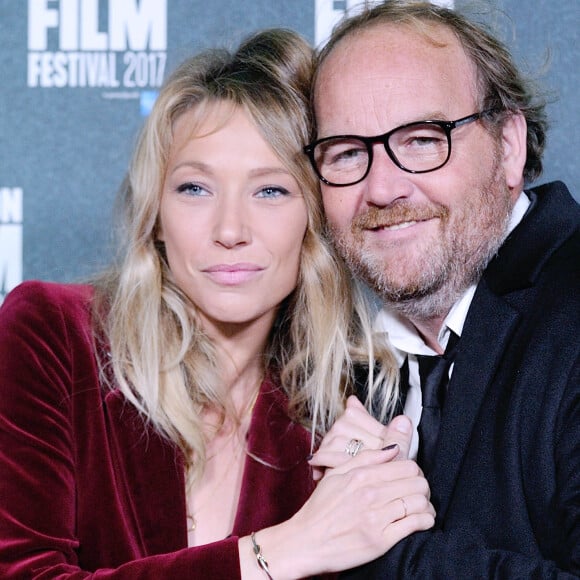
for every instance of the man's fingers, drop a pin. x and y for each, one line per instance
(399, 431)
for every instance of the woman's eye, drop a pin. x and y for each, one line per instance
(272, 192)
(193, 189)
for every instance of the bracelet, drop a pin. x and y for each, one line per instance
(261, 560)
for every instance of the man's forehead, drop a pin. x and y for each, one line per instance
(391, 38)
(387, 49)
(388, 76)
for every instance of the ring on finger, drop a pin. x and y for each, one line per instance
(405, 510)
(353, 447)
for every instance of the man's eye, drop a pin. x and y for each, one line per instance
(420, 138)
(344, 153)
(349, 154)
(425, 140)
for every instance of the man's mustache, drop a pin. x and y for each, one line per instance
(397, 213)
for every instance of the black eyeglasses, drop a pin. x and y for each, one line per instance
(417, 147)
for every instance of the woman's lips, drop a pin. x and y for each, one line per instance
(233, 274)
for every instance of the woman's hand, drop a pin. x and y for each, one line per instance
(356, 424)
(359, 510)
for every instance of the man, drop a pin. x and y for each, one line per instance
(426, 133)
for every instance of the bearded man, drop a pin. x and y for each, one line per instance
(427, 138)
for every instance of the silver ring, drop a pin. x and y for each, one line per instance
(353, 447)
(404, 508)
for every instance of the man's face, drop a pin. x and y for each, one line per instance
(418, 239)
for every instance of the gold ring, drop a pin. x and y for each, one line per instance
(404, 508)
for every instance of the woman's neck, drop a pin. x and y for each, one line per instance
(240, 346)
(212, 499)
(241, 380)
(240, 351)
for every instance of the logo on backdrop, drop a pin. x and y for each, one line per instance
(329, 12)
(80, 44)
(10, 239)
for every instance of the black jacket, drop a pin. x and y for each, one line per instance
(506, 482)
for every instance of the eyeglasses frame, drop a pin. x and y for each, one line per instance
(447, 127)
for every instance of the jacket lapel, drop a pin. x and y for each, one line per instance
(277, 479)
(150, 478)
(480, 350)
(491, 321)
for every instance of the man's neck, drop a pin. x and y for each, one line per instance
(415, 334)
(429, 331)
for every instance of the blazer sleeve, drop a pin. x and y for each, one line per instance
(463, 552)
(458, 553)
(40, 347)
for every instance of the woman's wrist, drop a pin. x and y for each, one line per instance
(272, 555)
(260, 558)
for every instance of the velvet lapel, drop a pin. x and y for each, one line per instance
(150, 478)
(277, 478)
(150, 475)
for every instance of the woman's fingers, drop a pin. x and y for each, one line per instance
(337, 448)
(356, 424)
(357, 514)
(342, 462)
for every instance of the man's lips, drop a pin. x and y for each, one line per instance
(399, 226)
(233, 274)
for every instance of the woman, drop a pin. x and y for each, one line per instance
(152, 423)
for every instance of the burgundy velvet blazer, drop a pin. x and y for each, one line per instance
(85, 488)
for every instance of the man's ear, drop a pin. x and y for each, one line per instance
(514, 150)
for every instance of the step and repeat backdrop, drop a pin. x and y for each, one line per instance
(79, 77)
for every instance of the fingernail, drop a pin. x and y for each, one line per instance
(391, 446)
(309, 457)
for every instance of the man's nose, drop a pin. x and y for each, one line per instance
(385, 182)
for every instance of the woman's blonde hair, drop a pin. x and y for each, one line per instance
(159, 355)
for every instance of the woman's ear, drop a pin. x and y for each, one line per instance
(514, 150)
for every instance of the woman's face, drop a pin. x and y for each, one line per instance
(232, 218)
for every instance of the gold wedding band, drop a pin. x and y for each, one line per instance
(404, 508)
(353, 447)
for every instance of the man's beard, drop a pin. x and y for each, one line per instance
(427, 286)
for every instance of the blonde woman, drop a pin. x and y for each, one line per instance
(157, 423)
